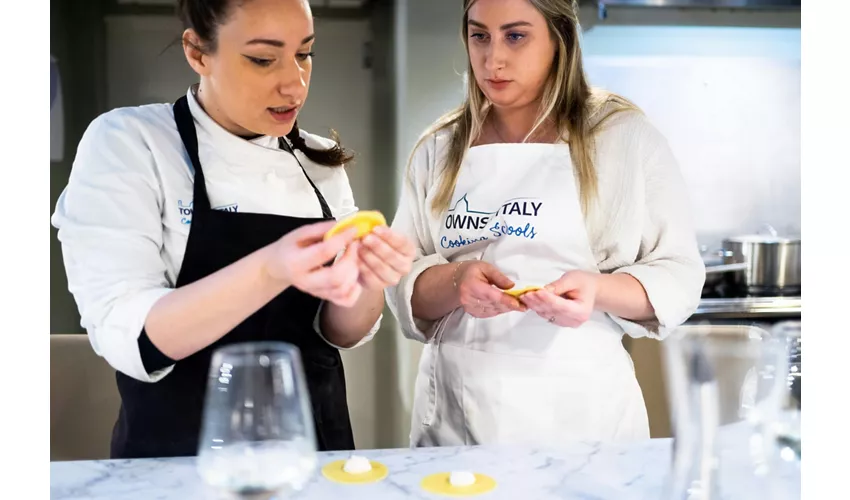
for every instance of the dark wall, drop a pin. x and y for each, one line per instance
(77, 35)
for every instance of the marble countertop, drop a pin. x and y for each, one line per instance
(582, 471)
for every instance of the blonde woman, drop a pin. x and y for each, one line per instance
(538, 180)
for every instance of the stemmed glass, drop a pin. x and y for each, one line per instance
(257, 437)
(787, 424)
(727, 386)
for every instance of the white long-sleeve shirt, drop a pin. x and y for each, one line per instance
(125, 216)
(641, 224)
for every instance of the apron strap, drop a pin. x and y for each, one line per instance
(326, 210)
(189, 136)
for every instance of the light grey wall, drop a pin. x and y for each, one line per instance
(391, 419)
(432, 60)
(728, 101)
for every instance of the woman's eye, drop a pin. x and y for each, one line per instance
(478, 36)
(515, 37)
(260, 62)
(305, 55)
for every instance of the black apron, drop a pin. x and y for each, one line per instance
(163, 419)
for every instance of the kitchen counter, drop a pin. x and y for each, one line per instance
(582, 471)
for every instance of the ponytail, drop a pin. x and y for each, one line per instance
(333, 157)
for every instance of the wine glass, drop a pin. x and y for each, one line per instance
(726, 385)
(257, 437)
(787, 424)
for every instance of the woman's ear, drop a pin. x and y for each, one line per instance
(195, 55)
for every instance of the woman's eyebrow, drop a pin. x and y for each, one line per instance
(276, 43)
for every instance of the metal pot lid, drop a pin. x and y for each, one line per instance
(763, 239)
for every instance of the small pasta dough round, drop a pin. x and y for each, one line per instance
(335, 471)
(516, 292)
(441, 484)
(364, 221)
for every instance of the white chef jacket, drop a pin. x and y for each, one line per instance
(125, 216)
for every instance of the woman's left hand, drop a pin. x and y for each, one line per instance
(568, 302)
(384, 258)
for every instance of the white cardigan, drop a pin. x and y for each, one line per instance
(640, 225)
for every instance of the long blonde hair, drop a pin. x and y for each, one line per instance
(572, 104)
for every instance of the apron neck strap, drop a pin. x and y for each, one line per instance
(189, 136)
(326, 210)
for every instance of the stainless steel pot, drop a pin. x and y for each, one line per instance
(773, 263)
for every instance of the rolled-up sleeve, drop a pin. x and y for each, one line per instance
(669, 265)
(412, 220)
(110, 228)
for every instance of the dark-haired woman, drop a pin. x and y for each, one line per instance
(188, 226)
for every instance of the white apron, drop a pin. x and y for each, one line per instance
(516, 378)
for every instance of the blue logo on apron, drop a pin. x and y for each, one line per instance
(462, 218)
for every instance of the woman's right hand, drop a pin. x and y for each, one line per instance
(299, 259)
(479, 297)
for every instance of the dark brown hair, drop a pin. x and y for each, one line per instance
(204, 17)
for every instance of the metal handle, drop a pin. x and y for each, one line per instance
(770, 230)
(725, 268)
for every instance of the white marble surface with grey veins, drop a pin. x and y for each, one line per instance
(582, 471)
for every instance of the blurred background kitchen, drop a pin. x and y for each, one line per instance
(721, 79)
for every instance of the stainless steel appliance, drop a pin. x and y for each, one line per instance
(773, 263)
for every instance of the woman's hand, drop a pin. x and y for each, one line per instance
(384, 258)
(568, 302)
(478, 297)
(300, 259)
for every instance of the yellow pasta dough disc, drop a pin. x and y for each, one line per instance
(516, 292)
(364, 221)
(334, 471)
(440, 485)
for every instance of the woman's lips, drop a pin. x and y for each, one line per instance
(283, 114)
(497, 84)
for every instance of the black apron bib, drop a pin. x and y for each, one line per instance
(163, 419)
